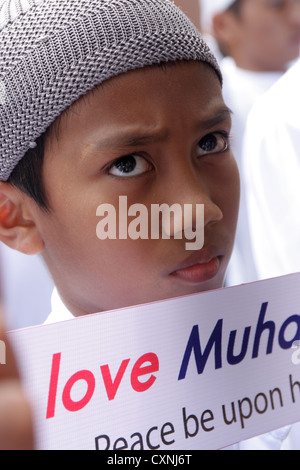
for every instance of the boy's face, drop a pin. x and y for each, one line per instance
(266, 34)
(157, 135)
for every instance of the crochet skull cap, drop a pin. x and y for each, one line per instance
(54, 51)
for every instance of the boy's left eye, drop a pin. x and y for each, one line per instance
(217, 142)
(129, 165)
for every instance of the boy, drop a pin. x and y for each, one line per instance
(106, 99)
(28, 275)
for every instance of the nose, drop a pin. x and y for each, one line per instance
(192, 206)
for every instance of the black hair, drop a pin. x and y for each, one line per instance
(28, 174)
(235, 7)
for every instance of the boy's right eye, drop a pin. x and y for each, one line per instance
(129, 165)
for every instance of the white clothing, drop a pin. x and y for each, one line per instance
(272, 175)
(272, 441)
(26, 288)
(59, 312)
(276, 440)
(241, 90)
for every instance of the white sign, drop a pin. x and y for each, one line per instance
(198, 372)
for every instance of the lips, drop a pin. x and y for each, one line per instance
(200, 267)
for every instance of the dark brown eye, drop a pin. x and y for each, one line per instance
(213, 143)
(129, 165)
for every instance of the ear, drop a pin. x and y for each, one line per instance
(17, 226)
(226, 29)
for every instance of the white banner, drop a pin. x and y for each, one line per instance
(197, 372)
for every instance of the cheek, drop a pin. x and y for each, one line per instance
(229, 191)
(270, 31)
(123, 263)
(260, 28)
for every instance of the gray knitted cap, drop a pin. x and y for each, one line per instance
(54, 51)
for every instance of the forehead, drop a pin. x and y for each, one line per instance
(266, 6)
(134, 95)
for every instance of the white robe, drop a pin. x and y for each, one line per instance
(272, 175)
(271, 169)
(241, 90)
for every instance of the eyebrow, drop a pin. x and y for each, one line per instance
(130, 138)
(222, 115)
(134, 138)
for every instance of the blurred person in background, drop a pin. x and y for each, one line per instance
(272, 173)
(259, 40)
(271, 168)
